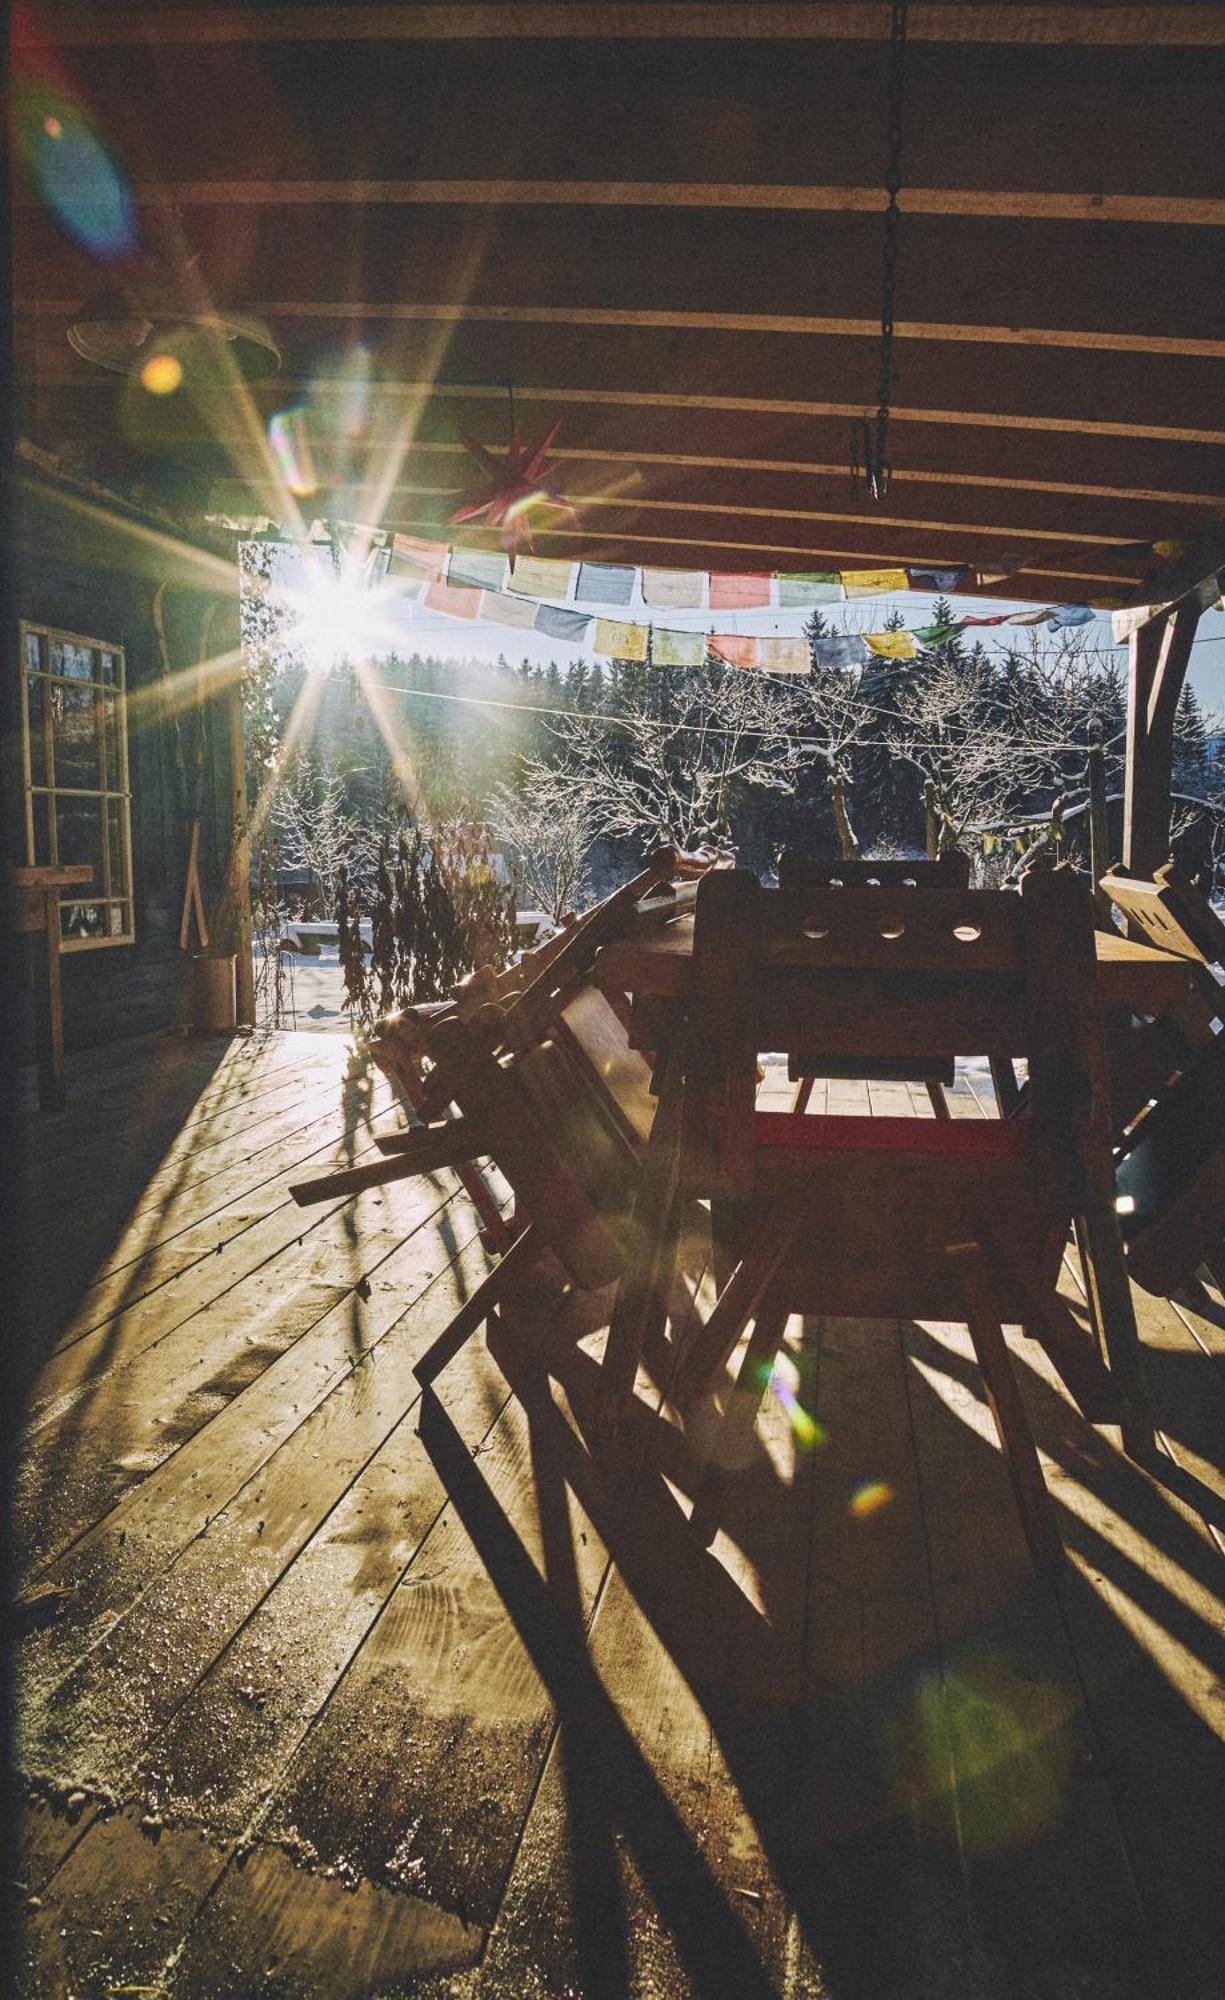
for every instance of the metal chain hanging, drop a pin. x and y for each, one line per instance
(870, 468)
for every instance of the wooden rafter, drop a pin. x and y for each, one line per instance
(649, 20)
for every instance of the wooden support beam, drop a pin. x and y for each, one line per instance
(976, 203)
(1160, 652)
(1058, 26)
(239, 887)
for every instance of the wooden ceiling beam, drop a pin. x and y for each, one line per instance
(608, 111)
(1193, 26)
(1195, 211)
(1049, 499)
(1058, 276)
(409, 392)
(774, 552)
(399, 312)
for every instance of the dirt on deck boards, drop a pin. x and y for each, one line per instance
(334, 1690)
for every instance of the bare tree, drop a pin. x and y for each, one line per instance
(988, 734)
(670, 763)
(548, 821)
(317, 828)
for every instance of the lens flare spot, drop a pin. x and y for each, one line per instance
(75, 174)
(807, 1431)
(1002, 1742)
(162, 374)
(870, 1497)
(289, 440)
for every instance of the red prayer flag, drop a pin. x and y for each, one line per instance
(456, 603)
(738, 593)
(734, 650)
(1001, 619)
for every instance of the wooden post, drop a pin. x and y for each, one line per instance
(931, 822)
(1160, 651)
(39, 910)
(240, 858)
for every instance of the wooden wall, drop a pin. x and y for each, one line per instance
(94, 570)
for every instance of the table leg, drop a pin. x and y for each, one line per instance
(1113, 1318)
(48, 1010)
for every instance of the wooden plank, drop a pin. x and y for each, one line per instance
(1048, 1868)
(601, 109)
(651, 1860)
(105, 1572)
(226, 1746)
(445, 1671)
(1141, 1604)
(76, 1370)
(102, 1715)
(1183, 26)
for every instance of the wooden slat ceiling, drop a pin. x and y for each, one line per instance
(664, 225)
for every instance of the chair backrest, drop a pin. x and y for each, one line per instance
(800, 871)
(1171, 913)
(557, 1135)
(863, 973)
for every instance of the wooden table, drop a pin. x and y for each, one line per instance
(38, 909)
(659, 964)
(656, 969)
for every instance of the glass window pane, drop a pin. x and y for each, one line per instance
(80, 920)
(79, 828)
(41, 857)
(36, 697)
(106, 668)
(33, 657)
(75, 742)
(73, 660)
(116, 918)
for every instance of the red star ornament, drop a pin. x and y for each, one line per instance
(516, 484)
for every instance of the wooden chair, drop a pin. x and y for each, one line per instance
(799, 872)
(1145, 1056)
(890, 1217)
(547, 994)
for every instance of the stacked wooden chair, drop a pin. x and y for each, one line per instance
(1170, 1095)
(799, 872)
(889, 1217)
(538, 1068)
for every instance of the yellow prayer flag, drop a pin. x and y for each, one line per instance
(541, 576)
(619, 642)
(892, 645)
(873, 582)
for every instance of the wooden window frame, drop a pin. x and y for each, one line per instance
(115, 891)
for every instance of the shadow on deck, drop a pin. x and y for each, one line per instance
(332, 1690)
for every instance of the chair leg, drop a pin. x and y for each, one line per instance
(499, 1284)
(1008, 1411)
(738, 1302)
(939, 1102)
(1113, 1318)
(740, 1420)
(1004, 1084)
(799, 1102)
(641, 1303)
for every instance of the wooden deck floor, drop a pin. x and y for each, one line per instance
(328, 1691)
